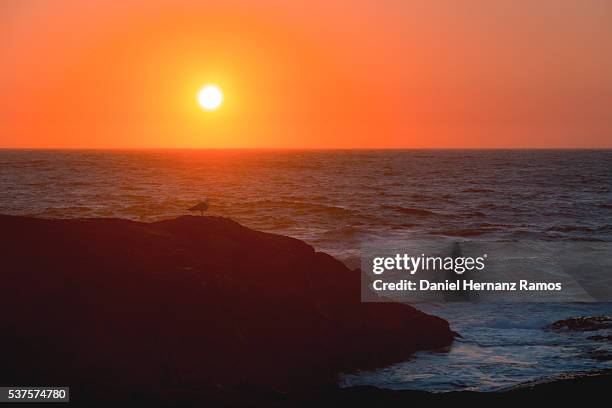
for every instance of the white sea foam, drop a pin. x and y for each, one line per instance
(502, 346)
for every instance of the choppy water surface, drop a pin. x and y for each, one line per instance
(503, 345)
(337, 199)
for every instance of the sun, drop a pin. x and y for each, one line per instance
(210, 97)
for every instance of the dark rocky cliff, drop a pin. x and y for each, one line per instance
(191, 301)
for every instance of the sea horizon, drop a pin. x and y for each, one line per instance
(332, 149)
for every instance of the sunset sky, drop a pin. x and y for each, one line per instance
(306, 74)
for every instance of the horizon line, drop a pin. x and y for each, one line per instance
(299, 148)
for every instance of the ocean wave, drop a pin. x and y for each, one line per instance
(463, 232)
(402, 226)
(527, 323)
(66, 211)
(585, 239)
(478, 190)
(492, 206)
(410, 210)
(472, 214)
(570, 228)
(300, 205)
(350, 233)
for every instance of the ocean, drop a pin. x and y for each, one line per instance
(336, 200)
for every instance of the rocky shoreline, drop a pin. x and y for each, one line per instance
(593, 386)
(118, 307)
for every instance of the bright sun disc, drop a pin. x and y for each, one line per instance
(210, 97)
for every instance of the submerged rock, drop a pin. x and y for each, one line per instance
(582, 323)
(600, 338)
(199, 301)
(601, 355)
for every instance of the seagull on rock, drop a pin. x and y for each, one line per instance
(201, 207)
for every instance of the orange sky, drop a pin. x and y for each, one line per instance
(313, 74)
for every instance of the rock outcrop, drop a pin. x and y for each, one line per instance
(193, 300)
(582, 323)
